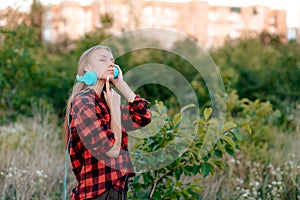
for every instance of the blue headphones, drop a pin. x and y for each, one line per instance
(90, 77)
(116, 72)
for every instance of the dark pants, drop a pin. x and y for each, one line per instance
(111, 194)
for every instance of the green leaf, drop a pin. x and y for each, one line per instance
(206, 158)
(237, 134)
(178, 184)
(219, 163)
(177, 119)
(228, 126)
(137, 186)
(230, 151)
(157, 195)
(196, 169)
(147, 177)
(136, 179)
(248, 127)
(196, 188)
(161, 158)
(187, 107)
(228, 140)
(178, 173)
(207, 113)
(185, 192)
(187, 170)
(221, 147)
(218, 153)
(168, 157)
(194, 194)
(205, 169)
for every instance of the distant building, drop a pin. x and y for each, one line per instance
(236, 22)
(68, 19)
(12, 18)
(209, 25)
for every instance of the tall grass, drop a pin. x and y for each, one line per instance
(275, 175)
(32, 158)
(32, 164)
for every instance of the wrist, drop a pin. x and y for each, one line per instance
(120, 84)
(126, 91)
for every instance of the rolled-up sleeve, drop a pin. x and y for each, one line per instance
(136, 114)
(92, 127)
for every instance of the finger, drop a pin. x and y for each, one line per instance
(105, 95)
(107, 84)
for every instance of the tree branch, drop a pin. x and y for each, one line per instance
(156, 181)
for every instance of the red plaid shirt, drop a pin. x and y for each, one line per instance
(90, 139)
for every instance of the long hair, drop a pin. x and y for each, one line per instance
(78, 86)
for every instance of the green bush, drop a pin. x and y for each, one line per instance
(191, 156)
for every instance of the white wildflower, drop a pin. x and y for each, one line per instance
(239, 180)
(245, 194)
(291, 163)
(279, 183)
(270, 165)
(39, 173)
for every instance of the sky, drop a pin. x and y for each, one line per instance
(291, 6)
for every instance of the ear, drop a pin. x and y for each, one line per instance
(87, 68)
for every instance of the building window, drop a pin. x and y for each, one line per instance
(235, 9)
(212, 16)
(254, 11)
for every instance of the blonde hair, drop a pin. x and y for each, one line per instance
(78, 86)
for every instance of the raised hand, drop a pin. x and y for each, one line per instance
(112, 98)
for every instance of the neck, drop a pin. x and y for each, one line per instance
(98, 87)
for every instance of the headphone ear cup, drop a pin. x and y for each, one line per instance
(89, 78)
(116, 72)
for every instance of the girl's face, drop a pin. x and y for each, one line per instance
(101, 61)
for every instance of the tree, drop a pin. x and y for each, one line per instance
(17, 70)
(106, 20)
(265, 69)
(168, 182)
(36, 17)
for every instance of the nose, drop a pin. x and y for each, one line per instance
(111, 67)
